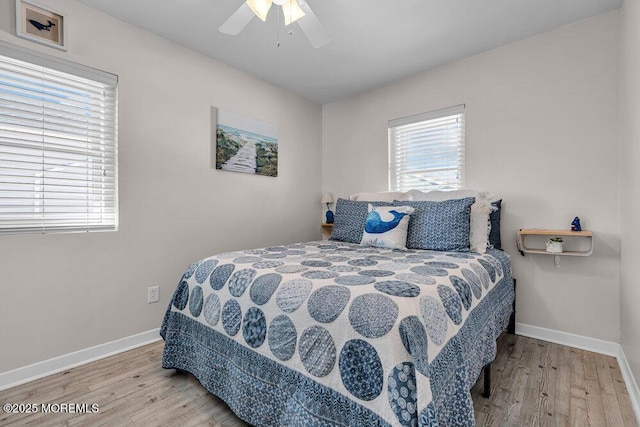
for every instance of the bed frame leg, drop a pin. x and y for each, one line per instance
(487, 381)
(511, 329)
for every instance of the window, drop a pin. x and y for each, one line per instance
(58, 145)
(426, 151)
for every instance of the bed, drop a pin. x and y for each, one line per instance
(337, 333)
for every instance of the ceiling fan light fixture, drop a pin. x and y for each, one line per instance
(291, 11)
(260, 8)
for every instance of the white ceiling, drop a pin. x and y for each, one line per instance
(373, 42)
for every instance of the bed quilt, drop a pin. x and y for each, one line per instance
(332, 333)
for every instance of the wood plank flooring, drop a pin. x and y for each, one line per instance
(537, 383)
(534, 383)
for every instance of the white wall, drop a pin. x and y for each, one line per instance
(546, 102)
(541, 132)
(66, 292)
(629, 182)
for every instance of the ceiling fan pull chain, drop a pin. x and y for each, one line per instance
(278, 31)
(290, 20)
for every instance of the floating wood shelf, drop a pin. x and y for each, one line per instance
(523, 248)
(561, 233)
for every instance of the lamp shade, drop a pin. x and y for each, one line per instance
(291, 11)
(327, 198)
(260, 8)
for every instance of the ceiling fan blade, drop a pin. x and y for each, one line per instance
(311, 26)
(238, 20)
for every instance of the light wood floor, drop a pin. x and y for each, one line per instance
(534, 383)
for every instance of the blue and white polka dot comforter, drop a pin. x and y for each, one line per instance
(332, 333)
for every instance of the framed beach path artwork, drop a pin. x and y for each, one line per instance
(245, 144)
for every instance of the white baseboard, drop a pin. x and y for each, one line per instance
(589, 344)
(630, 381)
(67, 361)
(571, 340)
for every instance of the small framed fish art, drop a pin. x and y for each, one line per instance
(40, 24)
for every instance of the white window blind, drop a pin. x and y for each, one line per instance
(58, 145)
(426, 151)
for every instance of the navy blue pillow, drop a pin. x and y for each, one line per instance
(439, 226)
(494, 217)
(349, 220)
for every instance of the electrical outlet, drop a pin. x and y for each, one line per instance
(153, 294)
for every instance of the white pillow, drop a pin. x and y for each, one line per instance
(480, 211)
(383, 196)
(386, 226)
(480, 224)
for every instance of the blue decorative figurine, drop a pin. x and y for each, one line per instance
(575, 224)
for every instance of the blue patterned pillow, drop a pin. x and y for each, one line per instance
(349, 219)
(439, 226)
(387, 226)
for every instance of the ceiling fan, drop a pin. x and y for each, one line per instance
(292, 10)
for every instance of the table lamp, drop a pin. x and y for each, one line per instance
(327, 199)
